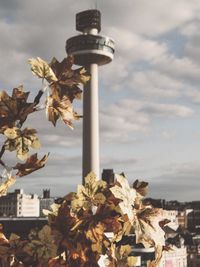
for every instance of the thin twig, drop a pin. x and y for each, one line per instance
(38, 96)
(2, 151)
(2, 163)
(40, 93)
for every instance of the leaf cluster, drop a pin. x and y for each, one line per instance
(60, 86)
(92, 223)
(95, 220)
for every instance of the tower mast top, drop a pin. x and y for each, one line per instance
(87, 20)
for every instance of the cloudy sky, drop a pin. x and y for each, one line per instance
(149, 94)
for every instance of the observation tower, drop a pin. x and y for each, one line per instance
(90, 50)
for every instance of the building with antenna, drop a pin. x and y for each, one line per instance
(90, 50)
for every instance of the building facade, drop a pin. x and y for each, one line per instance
(19, 204)
(177, 257)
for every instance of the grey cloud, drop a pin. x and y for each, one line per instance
(180, 68)
(61, 135)
(134, 46)
(120, 162)
(168, 110)
(178, 181)
(128, 119)
(176, 186)
(193, 94)
(191, 49)
(150, 17)
(152, 83)
(168, 135)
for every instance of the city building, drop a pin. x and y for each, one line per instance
(193, 220)
(46, 201)
(19, 204)
(172, 216)
(176, 257)
(182, 219)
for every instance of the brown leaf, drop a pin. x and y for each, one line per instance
(21, 141)
(57, 262)
(62, 69)
(60, 108)
(66, 75)
(164, 222)
(32, 164)
(3, 239)
(10, 180)
(112, 224)
(42, 69)
(147, 213)
(141, 187)
(41, 245)
(97, 237)
(147, 228)
(89, 195)
(14, 108)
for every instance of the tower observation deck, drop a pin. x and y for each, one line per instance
(90, 50)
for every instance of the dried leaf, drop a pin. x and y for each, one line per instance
(41, 245)
(126, 194)
(60, 108)
(124, 251)
(141, 187)
(32, 164)
(3, 239)
(132, 261)
(54, 210)
(42, 69)
(15, 108)
(90, 194)
(96, 235)
(81, 76)
(148, 231)
(10, 180)
(12, 133)
(21, 141)
(164, 222)
(66, 75)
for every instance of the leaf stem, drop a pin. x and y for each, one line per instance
(38, 96)
(2, 151)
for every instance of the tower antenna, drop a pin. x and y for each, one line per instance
(96, 5)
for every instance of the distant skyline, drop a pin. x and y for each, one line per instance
(40, 195)
(149, 94)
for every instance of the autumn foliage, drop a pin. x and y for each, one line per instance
(86, 225)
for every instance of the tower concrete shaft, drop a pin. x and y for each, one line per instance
(91, 123)
(90, 50)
